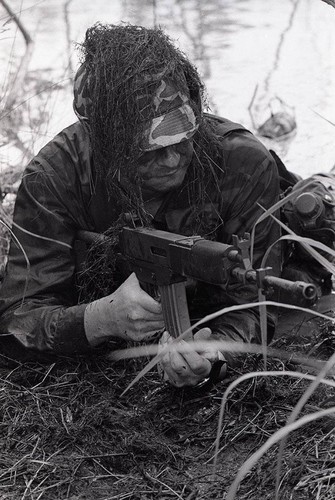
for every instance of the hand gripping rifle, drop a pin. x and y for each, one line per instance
(165, 260)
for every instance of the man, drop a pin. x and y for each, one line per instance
(142, 146)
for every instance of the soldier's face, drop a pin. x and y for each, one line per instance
(164, 169)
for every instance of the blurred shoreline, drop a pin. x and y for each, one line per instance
(235, 45)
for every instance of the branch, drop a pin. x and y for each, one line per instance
(17, 21)
(68, 36)
(23, 67)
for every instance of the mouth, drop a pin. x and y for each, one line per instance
(158, 175)
(169, 174)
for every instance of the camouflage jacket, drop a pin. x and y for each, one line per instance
(39, 303)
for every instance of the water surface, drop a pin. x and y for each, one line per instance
(285, 49)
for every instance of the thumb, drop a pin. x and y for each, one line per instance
(132, 281)
(203, 334)
(165, 338)
(208, 352)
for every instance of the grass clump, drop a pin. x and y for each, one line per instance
(65, 432)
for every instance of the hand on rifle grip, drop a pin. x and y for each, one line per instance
(128, 313)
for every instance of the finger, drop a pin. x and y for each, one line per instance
(169, 373)
(188, 363)
(163, 343)
(185, 378)
(132, 281)
(149, 326)
(212, 356)
(138, 317)
(145, 300)
(181, 380)
(176, 368)
(197, 363)
(203, 334)
(149, 304)
(166, 338)
(209, 352)
(179, 364)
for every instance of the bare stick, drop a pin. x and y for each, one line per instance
(23, 67)
(68, 36)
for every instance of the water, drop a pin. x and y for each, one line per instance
(284, 49)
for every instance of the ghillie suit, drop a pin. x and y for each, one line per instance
(116, 95)
(86, 179)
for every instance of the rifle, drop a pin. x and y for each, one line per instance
(165, 260)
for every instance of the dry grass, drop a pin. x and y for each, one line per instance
(65, 432)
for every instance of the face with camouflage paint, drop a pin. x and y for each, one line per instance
(167, 143)
(164, 169)
(167, 135)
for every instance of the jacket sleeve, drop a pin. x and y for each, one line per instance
(38, 302)
(251, 181)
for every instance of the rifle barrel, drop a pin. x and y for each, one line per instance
(307, 291)
(296, 291)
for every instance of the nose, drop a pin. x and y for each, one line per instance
(169, 157)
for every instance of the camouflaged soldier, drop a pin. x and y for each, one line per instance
(142, 145)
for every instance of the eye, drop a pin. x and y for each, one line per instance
(183, 147)
(146, 157)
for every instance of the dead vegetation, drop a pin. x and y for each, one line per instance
(65, 432)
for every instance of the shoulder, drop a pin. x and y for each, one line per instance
(71, 145)
(242, 151)
(67, 156)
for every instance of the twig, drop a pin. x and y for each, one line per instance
(280, 45)
(155, 480)
(275, 64)
(30, 482)
(23, 67)
(68, 36)
(323, 117)
(45, 376)
(63, 420)
(101, 455)
(253, 123)
(18, 22)
(154, 10)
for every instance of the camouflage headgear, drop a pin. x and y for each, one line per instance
(82, 102)
(173, 117)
